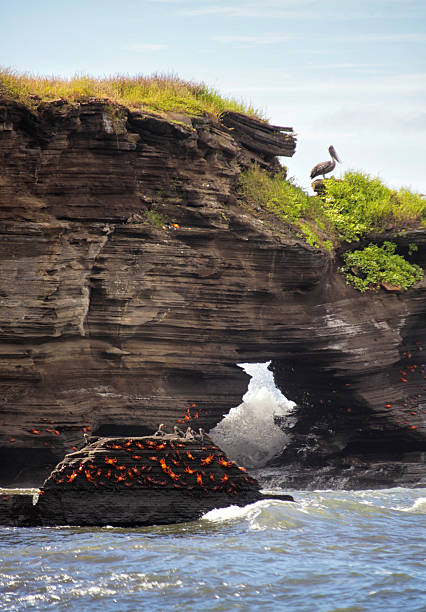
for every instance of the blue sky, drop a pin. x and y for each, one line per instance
(351, 73)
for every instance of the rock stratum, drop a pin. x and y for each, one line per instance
(133, 280)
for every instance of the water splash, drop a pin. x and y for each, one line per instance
(248, 433)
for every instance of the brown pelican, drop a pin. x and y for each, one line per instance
(327, 166)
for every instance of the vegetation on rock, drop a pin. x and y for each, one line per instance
(376, 265)
(156, 93)
(285, 200)
(359, 205)
(349, 209)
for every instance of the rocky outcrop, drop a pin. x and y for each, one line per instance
(133, 281)
(135, 481)
(143, 481)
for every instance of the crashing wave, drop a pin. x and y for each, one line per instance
(253, 433)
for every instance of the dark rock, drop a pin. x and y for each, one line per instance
(18, 510)
(262, 140)
(111, 324)
(143, 481)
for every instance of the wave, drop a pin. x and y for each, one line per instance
(419, 507)
(342, 507)
(248, 433)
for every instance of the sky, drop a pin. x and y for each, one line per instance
(351, 73)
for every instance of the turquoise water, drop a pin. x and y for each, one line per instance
(332, 550)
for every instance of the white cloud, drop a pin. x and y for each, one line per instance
(394, 37)
(258, 39)
(238, 8)
(144, 47)
(304, 9)
(407, 85)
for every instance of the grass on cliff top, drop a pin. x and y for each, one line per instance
(350, 209)
(159, 93)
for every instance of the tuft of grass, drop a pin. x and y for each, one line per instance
(274, 193)
(159, 93)
(287, 201)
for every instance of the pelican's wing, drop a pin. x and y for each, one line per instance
(321, 168)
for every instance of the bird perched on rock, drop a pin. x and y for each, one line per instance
(160, 431)
(200, 435)
(189, 434)
(178, 432)
(326, 166)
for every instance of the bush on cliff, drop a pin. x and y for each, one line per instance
(156, 92)
(375, 265)
(349, 209)
(359, 205)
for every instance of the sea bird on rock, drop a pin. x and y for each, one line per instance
(189, 434)
(200, 435)
(326, 166)
(160, 431)
(178, 432)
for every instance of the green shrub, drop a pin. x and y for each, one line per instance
(369, 268)
(358, 205)
(349, 209)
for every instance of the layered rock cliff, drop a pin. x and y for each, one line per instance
(133, 281)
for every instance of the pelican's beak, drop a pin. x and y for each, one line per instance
(334, 154)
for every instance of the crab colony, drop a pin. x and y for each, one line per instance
(148, 463)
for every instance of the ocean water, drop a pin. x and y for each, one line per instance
(329, 551)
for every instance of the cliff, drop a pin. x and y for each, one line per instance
(133, 281)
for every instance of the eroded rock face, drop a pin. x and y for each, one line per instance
(133, 282)
(360, 388)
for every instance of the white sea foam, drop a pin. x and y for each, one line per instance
(418, 507)
(235, 512)
(225, 514)
(248, 433)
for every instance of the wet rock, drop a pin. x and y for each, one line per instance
(143, 481)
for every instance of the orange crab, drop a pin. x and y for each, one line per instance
(72, 476)
(226, 464)
(89, 476)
